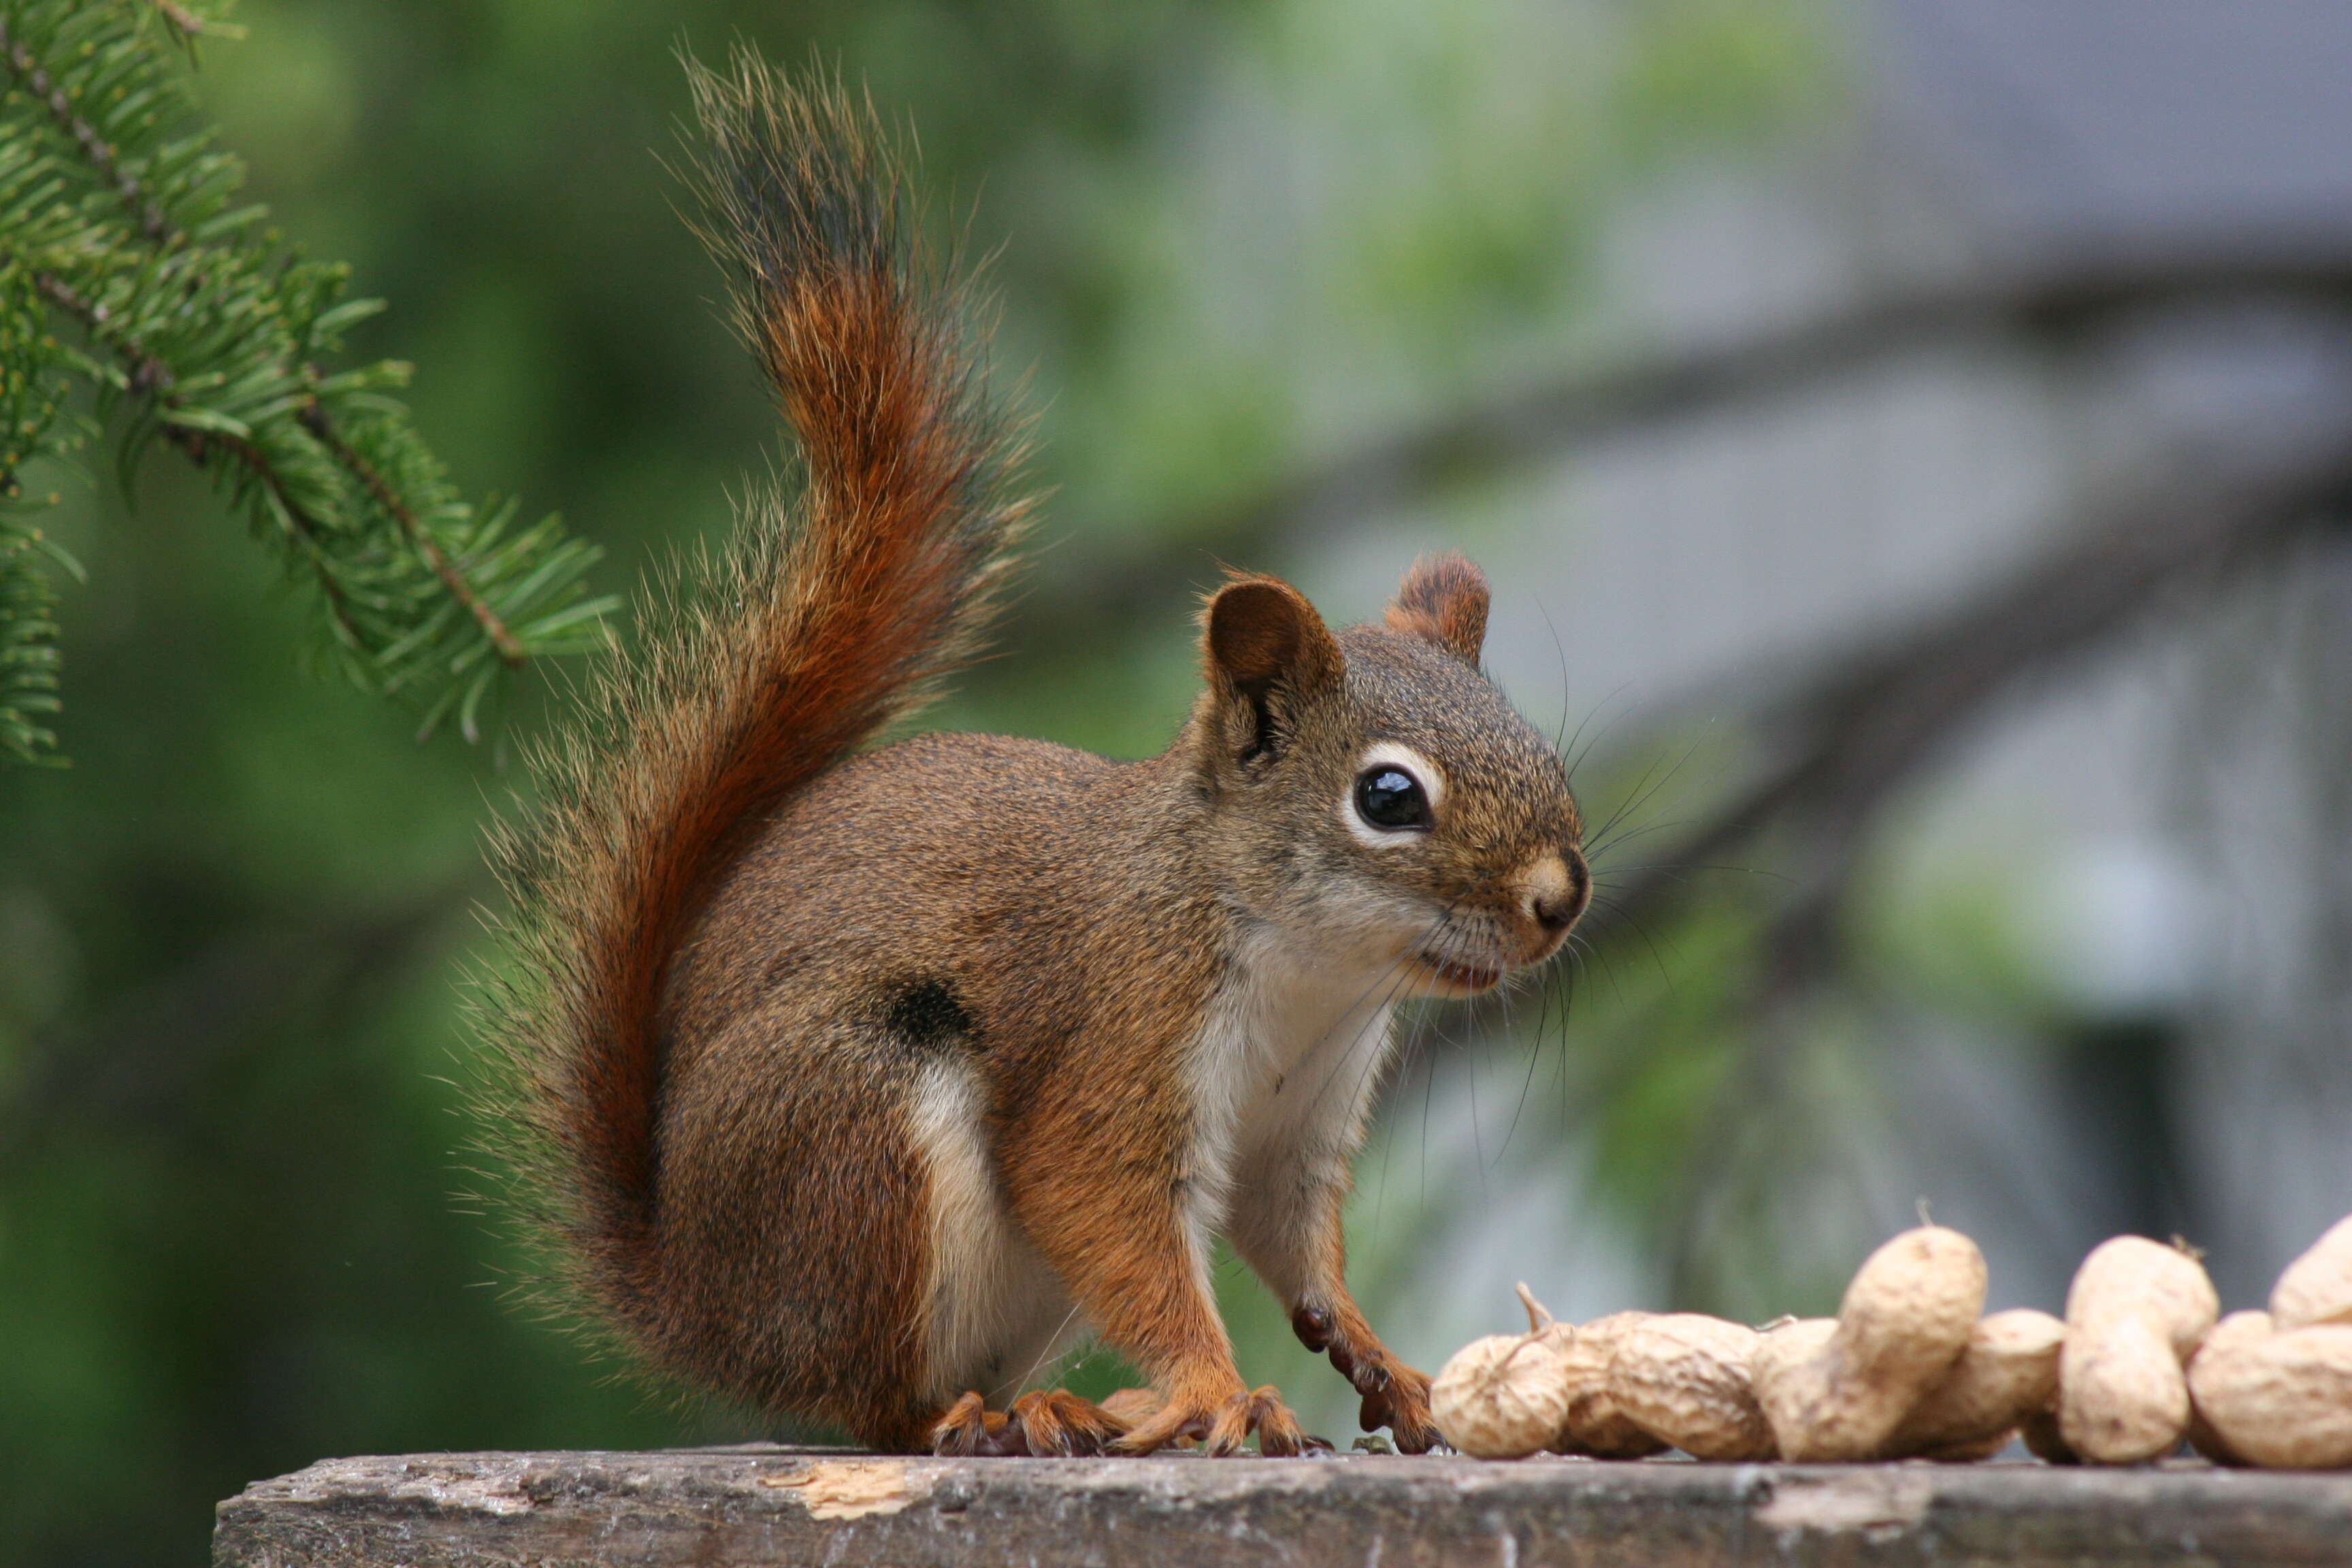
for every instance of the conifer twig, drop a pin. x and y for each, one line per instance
(152, 377)
(119, 235)
(27, 69)
(316, 419)
(151, 374)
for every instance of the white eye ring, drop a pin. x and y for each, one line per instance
(1404, 758)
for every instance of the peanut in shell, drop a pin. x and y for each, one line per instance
(1787, 1345)
(1504, 1397)
(1594, 1425)
(2008, 1370)
(1684, 1379)
(2316, 1287)
(1907, 1318)
(2044, 1441)
(2165, 1284)
(2123, 1398)
(2282, 1400)
(2135, 1313)
(2224, 1338)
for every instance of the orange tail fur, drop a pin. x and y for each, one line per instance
(826, 618)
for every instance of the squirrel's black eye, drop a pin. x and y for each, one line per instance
(1388, 797)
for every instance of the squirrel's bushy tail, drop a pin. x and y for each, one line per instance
(828, 617)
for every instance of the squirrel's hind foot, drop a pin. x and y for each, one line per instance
(1050, 1423)
(1222, 1428)
(1053, 1421)
(1264, 1413)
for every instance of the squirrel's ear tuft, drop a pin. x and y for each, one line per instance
(1262, 633)
(1443, 600)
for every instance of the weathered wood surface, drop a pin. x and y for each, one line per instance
(767, 1506)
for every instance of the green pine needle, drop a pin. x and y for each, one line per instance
(129, 274)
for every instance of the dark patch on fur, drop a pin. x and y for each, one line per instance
(927, 1015)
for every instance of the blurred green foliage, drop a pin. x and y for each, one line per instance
(1228, 237)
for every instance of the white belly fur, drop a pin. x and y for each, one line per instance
(998, 1315)
(1284, 1075)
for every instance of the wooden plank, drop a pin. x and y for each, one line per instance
(777, 1506)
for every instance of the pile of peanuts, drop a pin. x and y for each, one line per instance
(1912, 1368)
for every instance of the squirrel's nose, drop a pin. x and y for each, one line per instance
(1556, 901)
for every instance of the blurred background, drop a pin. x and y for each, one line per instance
(1910, 441)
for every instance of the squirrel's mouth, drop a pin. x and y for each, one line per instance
(1461, 978)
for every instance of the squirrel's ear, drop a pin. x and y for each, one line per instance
(1443, 600)
(1262, 633)
(1264, 637)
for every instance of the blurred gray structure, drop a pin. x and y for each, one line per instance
(2154, 825)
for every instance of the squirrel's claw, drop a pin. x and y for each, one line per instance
(1172, 1422)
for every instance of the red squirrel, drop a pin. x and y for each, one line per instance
(857, 1083)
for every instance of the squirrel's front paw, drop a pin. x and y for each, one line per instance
(967, 1428)
(1395, 1395)
(1223, 1426)
(1403, 1406)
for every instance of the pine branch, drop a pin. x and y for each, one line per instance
(95, 149)
(316, 419)
(183, 321)
(29, 655)
(150, 376)
(35, 425)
